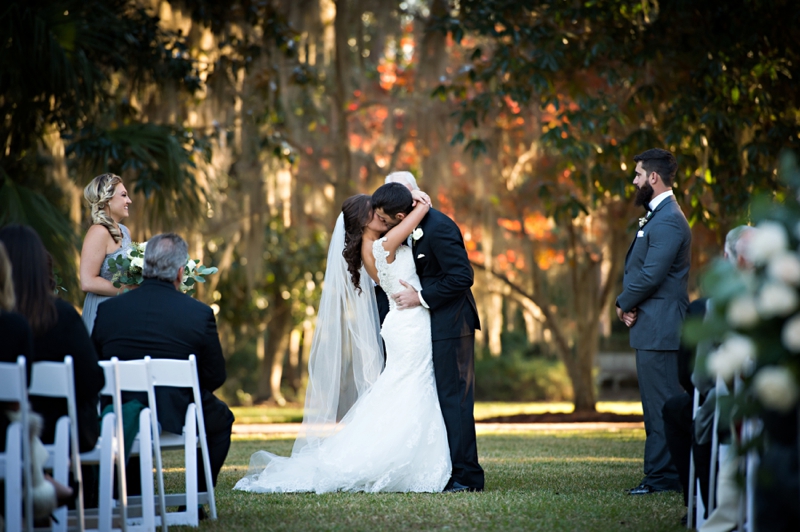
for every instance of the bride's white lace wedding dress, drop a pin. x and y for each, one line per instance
(393, 438)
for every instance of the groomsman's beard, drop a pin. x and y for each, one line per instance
(644, 195)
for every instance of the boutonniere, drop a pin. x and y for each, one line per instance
(417, 234)
(643, 221)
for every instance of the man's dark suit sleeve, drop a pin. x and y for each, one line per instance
(663, 247)
(452, 257)
(211, 362)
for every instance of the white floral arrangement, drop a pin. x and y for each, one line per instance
(128, 268)
(194, 273)
(755, 315)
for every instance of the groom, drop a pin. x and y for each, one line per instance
(446, 277)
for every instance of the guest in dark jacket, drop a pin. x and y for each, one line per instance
(16, 335)
(17, 340)
(57, 332)
(158, 320)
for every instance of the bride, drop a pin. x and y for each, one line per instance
(364, 430)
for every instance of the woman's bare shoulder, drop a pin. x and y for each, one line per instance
(98, 236)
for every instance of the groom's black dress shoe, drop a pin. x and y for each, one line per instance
(455, 488)
(642, 489)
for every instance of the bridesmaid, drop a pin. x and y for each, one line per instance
(106, 238)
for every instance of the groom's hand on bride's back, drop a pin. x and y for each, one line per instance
(408, 298)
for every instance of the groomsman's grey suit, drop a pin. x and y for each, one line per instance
(655, 283)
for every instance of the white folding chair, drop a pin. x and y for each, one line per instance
(56, 379)
(183, 374)
(716, 449)
(751, 428)
(134, 376)
(695, 499)
(15, 462)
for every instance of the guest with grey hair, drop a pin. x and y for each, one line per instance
(404, 178)
(159, 321)
(735, 241)
(692, 436)
(164, 258)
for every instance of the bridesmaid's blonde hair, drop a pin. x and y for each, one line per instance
(98, 193)
(7, 300)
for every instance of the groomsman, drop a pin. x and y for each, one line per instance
(653, 304)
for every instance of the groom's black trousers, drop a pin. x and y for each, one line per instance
(454, 368)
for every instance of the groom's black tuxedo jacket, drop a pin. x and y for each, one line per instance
(446, 277)
(158, 320)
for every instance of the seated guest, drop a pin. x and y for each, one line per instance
(677, 413)
(14, 330)
(18, 340)
(158, 320)
(683, 433)
(58, 331)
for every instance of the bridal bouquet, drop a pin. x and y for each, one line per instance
(127, 269)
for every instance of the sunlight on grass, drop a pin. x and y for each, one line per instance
(294, 413)
(246, 415)
(566, 480)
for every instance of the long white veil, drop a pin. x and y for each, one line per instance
(346, 352)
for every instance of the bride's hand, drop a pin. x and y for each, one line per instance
(418, 195)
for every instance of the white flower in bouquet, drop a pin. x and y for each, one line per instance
(137, 262)
(194, 272)
(768, 240)
(785, 267)
(790, 335)
(733, 356)
(776, 299)
(776, 388)
(742, 312)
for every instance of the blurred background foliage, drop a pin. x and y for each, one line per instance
(243, 125)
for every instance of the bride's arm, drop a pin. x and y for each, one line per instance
(93, 254)
(398, 234)
(369, 260)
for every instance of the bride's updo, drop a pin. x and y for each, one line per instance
(98, 193)
(357, 212)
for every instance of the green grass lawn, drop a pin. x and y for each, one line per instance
(535, 480)
(294, 412)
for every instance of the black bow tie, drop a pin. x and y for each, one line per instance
(648, 208)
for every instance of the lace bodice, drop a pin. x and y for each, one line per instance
(126, 246)
(390, 275)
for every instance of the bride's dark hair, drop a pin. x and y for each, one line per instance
(357, 211)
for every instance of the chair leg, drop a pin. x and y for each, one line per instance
(190, 454)
(146, 470)
(106, 473)
(61, 469)
(691, 505)
(13, 478)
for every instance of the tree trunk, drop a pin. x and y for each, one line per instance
(294, 359)
(344, 184)
(276, 344)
